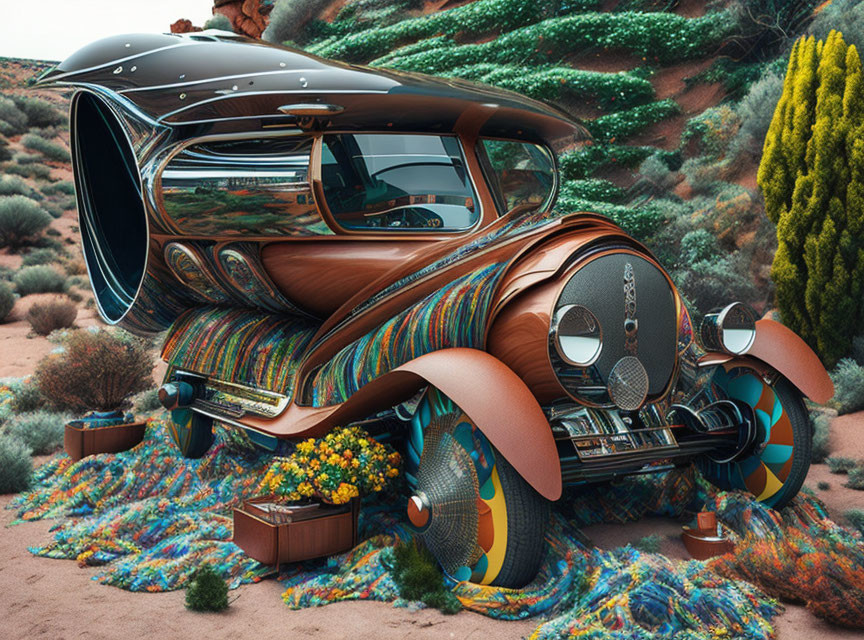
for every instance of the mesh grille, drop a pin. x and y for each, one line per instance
(628, 384)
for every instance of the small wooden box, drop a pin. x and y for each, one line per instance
(80, 442)
(313, 534)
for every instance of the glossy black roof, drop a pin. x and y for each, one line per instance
(215, 76)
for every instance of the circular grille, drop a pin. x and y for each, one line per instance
(628, 384)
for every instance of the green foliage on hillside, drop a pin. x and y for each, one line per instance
(812, 175)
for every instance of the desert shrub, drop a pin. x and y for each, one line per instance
(5, 153)
(53, 210)
(841, 465)
(289, 17)
(33, 170)
(699, 245)
(207, 591)
(656, 172)
(418, 577)
(47, 148)
(39, 279)
(709, 284)
(26, 396)
(219, 21)
(16, 465)
(821, 427)
(712, 131)
(846, 15)
(649, 544)
(823, 486)
(41, 431)
(755, 112)
(40, 113)
(14, 186)
(21, 220)
(39, 256)
(855, 517)
(146, 401)
(12, 119)
(856, 479)
(96, 370)
(45, 317)
(26, 158)
(64, 186)
(7, 300)
(848, 378)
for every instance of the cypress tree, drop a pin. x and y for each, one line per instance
(812, 175)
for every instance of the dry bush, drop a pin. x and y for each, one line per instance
(96, 370)
(58, 313)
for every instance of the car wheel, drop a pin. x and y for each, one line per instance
(477, 515)
(778, 464)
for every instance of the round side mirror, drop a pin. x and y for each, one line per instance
(732, 329)
(577, 334)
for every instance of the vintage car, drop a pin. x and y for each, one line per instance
(328, 244)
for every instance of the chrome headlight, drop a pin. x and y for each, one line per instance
(732, 329)
(577, 335)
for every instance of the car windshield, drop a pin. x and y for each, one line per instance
(520, 173)
(397, 182)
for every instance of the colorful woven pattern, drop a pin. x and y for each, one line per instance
(148, 515)
(454, 316)
(237, 345)
(798, 555)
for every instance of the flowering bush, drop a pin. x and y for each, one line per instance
(335, 468)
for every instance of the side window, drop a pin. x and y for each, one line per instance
(397, 182)
(519, 173)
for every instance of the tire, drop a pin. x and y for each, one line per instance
(776, 469)
(191, 432)
(517, 549)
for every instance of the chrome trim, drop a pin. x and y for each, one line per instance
(311, 109)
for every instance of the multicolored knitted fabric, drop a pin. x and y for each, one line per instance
(148, 515)
(238, 345)
(798, 554)
(454, 316)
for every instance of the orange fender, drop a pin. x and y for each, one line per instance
(783, 350)
(486, 389)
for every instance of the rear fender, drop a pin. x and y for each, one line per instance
(785, 352)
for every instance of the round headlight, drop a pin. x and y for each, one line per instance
(732, 329)
(578, 337)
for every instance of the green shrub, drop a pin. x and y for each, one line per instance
(97, 370)
(14, 186)
(823, 486)
(26, 396)
(219, 21)
(21, 220)
(41, 431)
(856, 478)
(7, 300)
(45, 317)
(591, 159)
(655, 171)
(12, 119)
(16, 465)
(40, 113)
(65, 187)
(622, 124)
(26, 158)
(755, 112)
(418, 577)
(855, 517)
(712, 131)
(699, 245)
(595, 190)
(649, 544)
(5, 153)
(33, 170)
(39, 279)
(207, 591)
(289, 17)
(47, 148)
(841, 465)
(821, 427)
(848, 378)
(39, 256)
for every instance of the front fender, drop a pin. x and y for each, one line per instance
(783, 350)
(487, 390)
